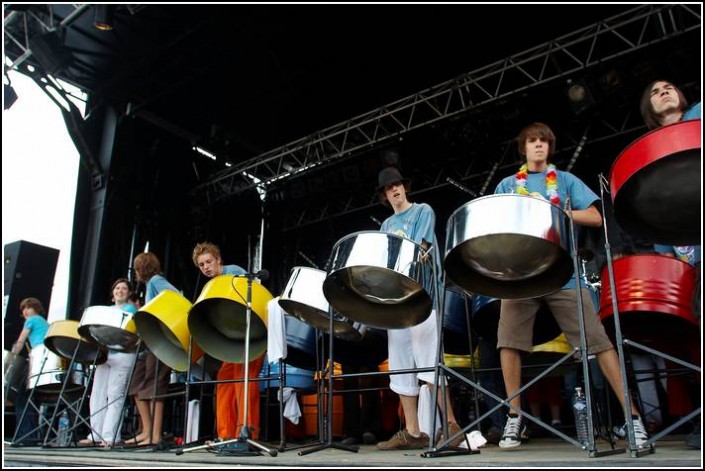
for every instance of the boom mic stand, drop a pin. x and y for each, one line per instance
(243, 445)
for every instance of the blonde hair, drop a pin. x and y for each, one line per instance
(203, 248)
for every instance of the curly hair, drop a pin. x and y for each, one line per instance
(203, 248)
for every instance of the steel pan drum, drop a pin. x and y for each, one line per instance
(300, 344)
(218, 319)
(162, 324)
(379, 280)
(47, 376)
(110, 327)
(656, 185)
(303, 298)
(508, 246)
(457, 311)
(62, 338)
(485, 320)
(654, 300)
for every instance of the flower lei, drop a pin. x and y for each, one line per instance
(551, 183)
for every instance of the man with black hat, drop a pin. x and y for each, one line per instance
(417, 346)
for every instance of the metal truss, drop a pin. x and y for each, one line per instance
(622, 34)
(477, 182)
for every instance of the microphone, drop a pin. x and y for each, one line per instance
(262, 274)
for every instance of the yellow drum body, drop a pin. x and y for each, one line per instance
(550, 352)
(62, 338)
(163, 325)
(218, 319)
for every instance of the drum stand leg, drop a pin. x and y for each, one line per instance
(41, 420)
(329, 402)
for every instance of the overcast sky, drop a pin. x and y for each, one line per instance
(39, 171)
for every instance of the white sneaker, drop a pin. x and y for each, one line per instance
(640, 435)
(513, 431)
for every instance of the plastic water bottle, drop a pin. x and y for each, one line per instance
(580, 411)
(63, 438)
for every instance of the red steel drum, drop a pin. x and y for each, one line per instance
(654, 300)
(656, 184)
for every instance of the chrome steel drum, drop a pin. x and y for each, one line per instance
(380, 279)
(110, 327)
(62, 338)
(303, 298)
(47, 372)
(656, 185)
(508, 246)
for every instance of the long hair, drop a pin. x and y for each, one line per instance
(147, 265)
(651, 119)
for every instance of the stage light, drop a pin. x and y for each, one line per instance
(579, 96)
(103, 17)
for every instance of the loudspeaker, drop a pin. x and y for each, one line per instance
(29, 272)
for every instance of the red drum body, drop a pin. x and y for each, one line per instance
(654, 300)
(656, 184)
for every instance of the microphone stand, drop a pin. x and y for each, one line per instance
(243, 445)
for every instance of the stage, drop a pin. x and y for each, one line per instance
(537, 453)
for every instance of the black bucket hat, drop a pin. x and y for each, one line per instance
(388, 176)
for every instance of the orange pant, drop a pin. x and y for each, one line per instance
(230, 397)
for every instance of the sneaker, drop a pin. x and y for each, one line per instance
(693, 440)
(514, 429)
(640, 435)
(403, 440)
(453, 428)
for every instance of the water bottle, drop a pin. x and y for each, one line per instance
(63, 438)
(580, 411)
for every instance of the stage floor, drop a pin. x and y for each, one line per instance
(540, 452)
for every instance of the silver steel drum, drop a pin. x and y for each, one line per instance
(380, 280)
(508, 246)
(63, 339)
(110, 327)
(303, 298)
(47, 372)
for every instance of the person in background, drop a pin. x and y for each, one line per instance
(663, 103)
(538, 178)
(34, 330)
(110, 382)
(148, 270)
(417, 346)
(231, 397)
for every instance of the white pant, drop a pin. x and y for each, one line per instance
(109, 387)
(413, 347)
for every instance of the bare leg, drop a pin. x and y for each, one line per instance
(449, 407)
(511, 371)
(609, 364)
(410, 405)
(155, 425)
(146, 420)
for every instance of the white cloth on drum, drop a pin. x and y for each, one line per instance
(413, 347)
(276, 331)
(292, 411)
(425, 411)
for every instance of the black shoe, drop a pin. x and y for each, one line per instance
(369, 438)
(350, 441)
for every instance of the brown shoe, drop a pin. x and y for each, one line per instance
(453, 428)
(403, 440)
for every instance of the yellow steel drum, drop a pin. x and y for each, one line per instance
(550, 352)
(218, 319)
(163, 325)
(62, 338)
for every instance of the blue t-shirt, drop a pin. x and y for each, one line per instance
(38, 327)
(581, 196)
(127, 308)
(156, 285)
(233, 270)
(687, 253)
(692, 113)
(417, 223)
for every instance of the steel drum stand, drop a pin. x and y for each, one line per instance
(244, 445)
(73, 406)
(621, 341)
(329, 402)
